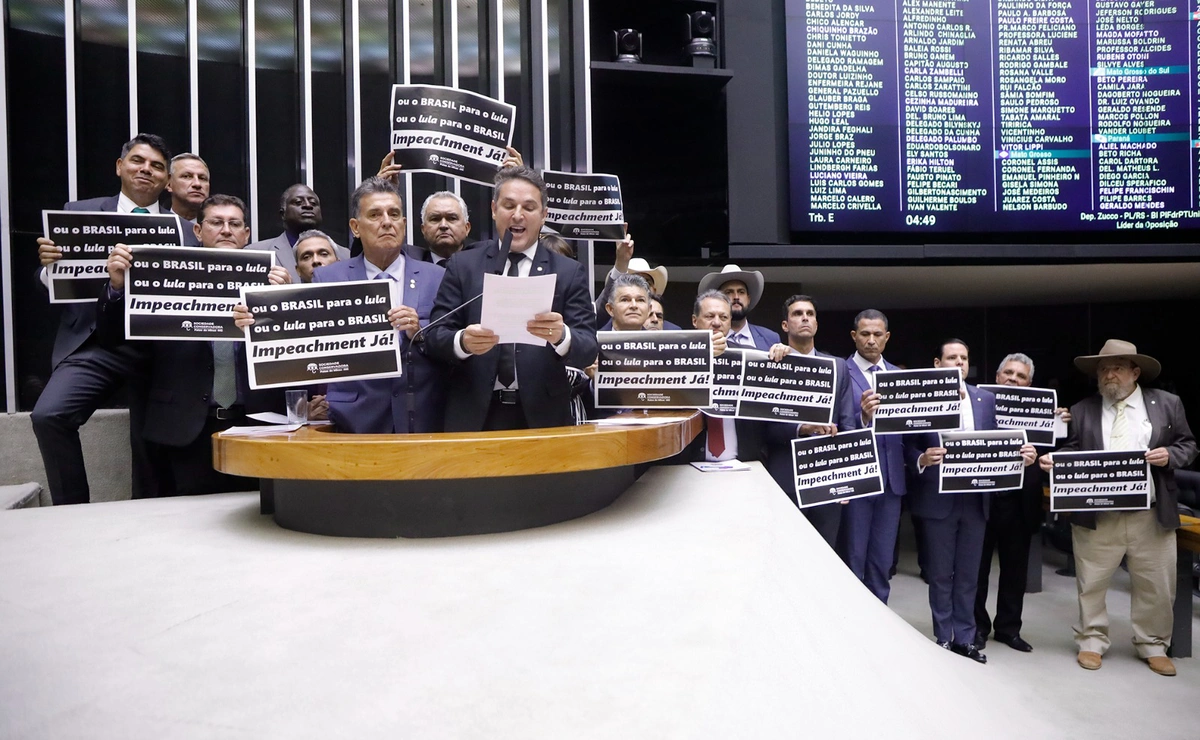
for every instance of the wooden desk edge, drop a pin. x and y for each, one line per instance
(313, 454)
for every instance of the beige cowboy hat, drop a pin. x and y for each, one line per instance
(752, 278)
(656, 275)
(1117, 348)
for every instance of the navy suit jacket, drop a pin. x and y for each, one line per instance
(889, 446)
(543, 386)
(382, 405)
(764, 337)
(923, 496)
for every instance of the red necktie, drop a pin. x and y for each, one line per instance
(716, 436)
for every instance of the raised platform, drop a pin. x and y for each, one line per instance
(437, 485)
(696, 606)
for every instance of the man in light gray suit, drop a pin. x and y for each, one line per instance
(300, 210)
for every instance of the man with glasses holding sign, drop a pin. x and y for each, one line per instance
(1126, 416)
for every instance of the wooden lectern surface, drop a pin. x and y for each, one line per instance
(314, 454)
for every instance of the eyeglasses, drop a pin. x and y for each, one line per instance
(218, 223)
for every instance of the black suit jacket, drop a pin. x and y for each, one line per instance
(78, 320)
(544, 388)
(1169, 428)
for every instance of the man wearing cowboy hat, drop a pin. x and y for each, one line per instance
(626, 263)
(744, 288)
(1126, 416)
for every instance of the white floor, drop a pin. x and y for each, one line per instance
(697, 606)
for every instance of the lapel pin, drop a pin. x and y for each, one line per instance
(539, 268)
(412, 283)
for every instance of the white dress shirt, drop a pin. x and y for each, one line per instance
(1138, 428)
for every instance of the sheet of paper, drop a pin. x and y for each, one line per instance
(510, 303)
(637, 421)
(270, 417)
(729, 466)
(1060, 427)
(260, 431)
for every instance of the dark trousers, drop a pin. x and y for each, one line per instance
(504, 417)
(1009, 533)
(83, 381)
(952, 551)
(826, 519)
(868, 540)
(188, 470)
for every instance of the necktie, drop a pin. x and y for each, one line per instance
(139, 209)
(224, 388)
(716, 436)
(1120, 428)
(874, 369)
(506, 370)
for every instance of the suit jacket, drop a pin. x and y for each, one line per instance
(1169, 429)
(78, 320)
(667, 325)
(189, 232)
(543, 386)
(889, 446)
(382, 405)
(778, 436)
(922, 493)
(763, 337)
(421, 254)
(285, 253)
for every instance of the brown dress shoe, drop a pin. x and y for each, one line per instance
(1089, 660)
(1161, 665)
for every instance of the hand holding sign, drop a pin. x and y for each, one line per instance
(1158, 457)
(405, 319)
(119, 262)
(48, 252)
(932, 456)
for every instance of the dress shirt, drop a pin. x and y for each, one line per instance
(743, 336)
(1138, 428)
(394, 271)
(125, 205)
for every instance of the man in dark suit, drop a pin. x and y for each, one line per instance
(953, 525)
(445, 225)
(195, 388)
(509, 386)
(188, 185)
(724, 438)
(314, 248)
(300, 210)
(870, 524)
(744, 289)
(413, 401)
(800, 327)
(84, 374)
(1013, 518)
(1126, 416)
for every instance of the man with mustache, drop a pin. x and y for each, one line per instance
(744, 288)
(1126, 416)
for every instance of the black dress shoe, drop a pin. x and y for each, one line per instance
(944, 644)
(969, 651)
(980, 643)
(1015, 642)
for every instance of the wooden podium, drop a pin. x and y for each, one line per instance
(439, 485)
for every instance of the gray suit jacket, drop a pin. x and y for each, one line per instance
(1169, 429)
(285, 253)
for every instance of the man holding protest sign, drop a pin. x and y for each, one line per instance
(725, 438)
(1126, 416)
(196, 388)
(953, 524)
(494, 386)
(870, 525)
(413, 401)
(83, 372)
(188, 184)
(1013, 518)
(300, 210)
(799, 325)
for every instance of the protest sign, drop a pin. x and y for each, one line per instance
(912, 401)
(654, 369)
(188, 293)
(836, 468)
(728, 368)
(1031, 409)
(86, 238)
(797, 389)
(1117, 480)
(320, 333)
(449, 131)
(982, 461)
(582, 206)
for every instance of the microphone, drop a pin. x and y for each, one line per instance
(444, 316)
(505, 249)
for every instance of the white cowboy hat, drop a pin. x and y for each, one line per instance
(656, 275)
(752, 278)
(1118, 348)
